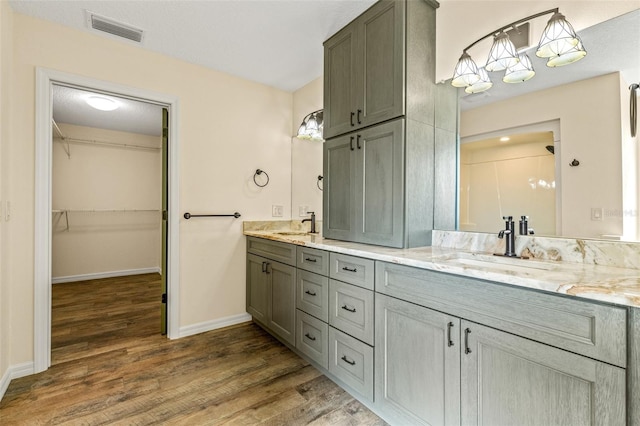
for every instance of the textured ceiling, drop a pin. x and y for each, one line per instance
(275, 42)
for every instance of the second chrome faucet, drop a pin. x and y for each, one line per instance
(510, 234)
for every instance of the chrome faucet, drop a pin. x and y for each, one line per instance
(313, 222)
(509, 232)
(524, 226)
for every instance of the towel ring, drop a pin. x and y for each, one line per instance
(257, 173)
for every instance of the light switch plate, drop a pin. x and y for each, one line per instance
(302, 211)
(597, 213)
(277, 210)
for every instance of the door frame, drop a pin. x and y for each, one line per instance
(45, 78)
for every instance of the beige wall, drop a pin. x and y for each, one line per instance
(590, 116)
(306, 155)
(101, 177)
(228, 127)
(6, 23)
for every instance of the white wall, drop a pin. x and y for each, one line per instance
(306, 155)
(590, 116)
(105, 177)
(228, 127)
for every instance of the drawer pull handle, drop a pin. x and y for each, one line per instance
(264, 266)
(347, 308)
(308, 259)
(358, 141)
(344, 268)
(352, 115)
(347, 360)
(310, 337)
(449, 327)
(467, 349)
(359, 112)
(351, 142)
(310, 293)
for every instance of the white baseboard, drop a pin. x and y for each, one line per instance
(202, 327)
(15, 372)
(100, 275)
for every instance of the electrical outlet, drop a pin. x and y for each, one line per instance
(597, 213)
(277, 211)
(302, 211)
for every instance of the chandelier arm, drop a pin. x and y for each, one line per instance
(520, 21)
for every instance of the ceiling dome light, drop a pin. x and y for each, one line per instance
(481, 85)
(522, 71)
(503, 53)
(557, 38)
(102, 103)
(466, 72)
(573, 55)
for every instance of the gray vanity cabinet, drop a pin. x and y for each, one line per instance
(509, 380)
(364, 70)
(364, 185)
(271, 288)
(417, 364)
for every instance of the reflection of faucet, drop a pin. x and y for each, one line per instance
(524, 226)
(509, 231)
(313, 222)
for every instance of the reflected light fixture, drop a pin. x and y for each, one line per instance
(102, 103)
(559, 43)
(311, 127)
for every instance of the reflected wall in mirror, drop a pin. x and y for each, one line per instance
(586, 120)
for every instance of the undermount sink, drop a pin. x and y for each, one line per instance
(502, 263)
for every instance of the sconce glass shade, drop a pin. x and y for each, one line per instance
(481, 85)
(502, 54)
(522, 71)
(466, 72)
(557, 38)
(573, 55)
(312, 126)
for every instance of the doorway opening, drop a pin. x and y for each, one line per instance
(47, 216)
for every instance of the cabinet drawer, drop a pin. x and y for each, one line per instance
(352, 270)
(313, 260)
(351, 310)
(351, 361)
(591, 329)
(312, 338)
(275, 250)
(313, 294)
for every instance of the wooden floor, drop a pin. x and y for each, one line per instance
(111, 366)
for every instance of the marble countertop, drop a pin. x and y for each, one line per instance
(609, 284)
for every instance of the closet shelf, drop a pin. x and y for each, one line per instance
(66, 212)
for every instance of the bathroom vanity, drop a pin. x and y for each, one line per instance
(436, 335)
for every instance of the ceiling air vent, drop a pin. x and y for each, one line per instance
(113, 27)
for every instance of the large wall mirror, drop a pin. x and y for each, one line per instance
(557, 148)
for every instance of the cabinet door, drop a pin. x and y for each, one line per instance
(257, 288)
(380, 63)
(339, 183)
(282, 303)
(379, 192)
(509, 380)
(417, 364)
(339, 82)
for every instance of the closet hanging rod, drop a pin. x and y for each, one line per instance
(114, 144)
(189, 215)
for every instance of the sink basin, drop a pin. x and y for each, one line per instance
(501, 263)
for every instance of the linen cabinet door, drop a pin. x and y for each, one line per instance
(380, 64)
(282, 303)
(509, 380)
(339, 182)
(339, 82)
(380, 184)
(257, 288)
(417, 364)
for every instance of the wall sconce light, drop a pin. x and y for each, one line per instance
(311, 127)
(559, 44)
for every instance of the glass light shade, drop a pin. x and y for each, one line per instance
(502, 54)
(522, 71)
(573, 55)
(466, 72)
(557, 38)
(481, 85)
(312, 126)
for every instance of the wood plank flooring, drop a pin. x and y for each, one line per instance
(110, 365)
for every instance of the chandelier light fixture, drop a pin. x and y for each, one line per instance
(559, 44)
(311, 127)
